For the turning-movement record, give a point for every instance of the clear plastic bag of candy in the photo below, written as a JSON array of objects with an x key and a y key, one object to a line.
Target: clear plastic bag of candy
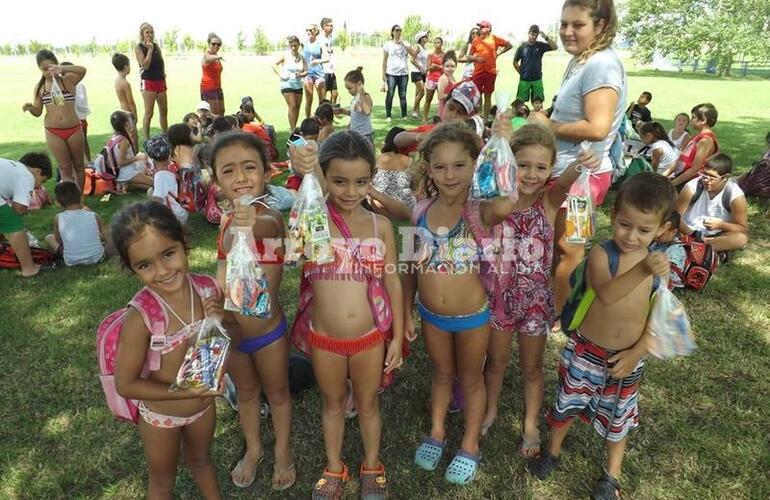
[
  {"x": 203, "y": 366},
  {"x": 308, "y": 231},
  {"x": 246, "y": 288},
  {"x": 581, "y": 215},
  {"x": 57, "y": 97},
  {"x": 669, "y": 326},
  {"x": 495, "y": 173}
]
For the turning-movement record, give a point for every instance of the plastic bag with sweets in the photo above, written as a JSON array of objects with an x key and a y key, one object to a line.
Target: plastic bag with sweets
[
  {"x": 203, "y": 366},
  {"x": 495, "y": 173},
  {"x": 669, "y": 326}
]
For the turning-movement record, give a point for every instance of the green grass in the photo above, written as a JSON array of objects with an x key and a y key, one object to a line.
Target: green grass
[{"x": 703, "y": 431}]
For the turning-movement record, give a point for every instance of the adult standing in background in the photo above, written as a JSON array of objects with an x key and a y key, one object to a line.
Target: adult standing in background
[
  {"x": 63, "y": 130},
  {"x": 528, "y": 63},
  {"x": 419, "y": 69},
  {"x": 464, "y": 57},
  {"x": 330, "y": 78},
  {"x": 292, "y": 70},
  {"x": 211, "y": 80},
  {"x": 590, "y": 108},
  {"x": 313, "y": 52},
  {"x": 484, "y": 53},
  {"x": 152, "y": 71},
  {"x": 395, "y": 72}
]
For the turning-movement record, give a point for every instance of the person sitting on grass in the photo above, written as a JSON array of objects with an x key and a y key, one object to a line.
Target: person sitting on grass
[
  {"x": 701, "y": 147},
  {"x": 165, "y": 187},
  {"x": 17, "y": 180},
  {"x": 638, "y": 112},
  {"x": 713, "y": 207},
  {"x": 132, "y": 169},
  {"x": 78, "y": 233},
  {"x": 603, "y": 361},
  {"x": 324, "y": 113},
  {"x": 663, "y": 153}
]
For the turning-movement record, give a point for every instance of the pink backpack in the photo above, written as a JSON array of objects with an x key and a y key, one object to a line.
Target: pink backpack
[{"x": 108, "y": 337}]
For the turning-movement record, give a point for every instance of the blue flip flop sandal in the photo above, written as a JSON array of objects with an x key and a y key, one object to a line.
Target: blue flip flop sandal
[
  {"x": 463, "y": 468},
  {"x": 429, "y": 453}
]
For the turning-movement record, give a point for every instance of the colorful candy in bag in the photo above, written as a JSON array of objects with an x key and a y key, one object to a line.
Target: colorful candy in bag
[
  {"x": 204, "y": 362},
  {"x": 57, "y": 97},
  {"x": 669, "y": 326},
  {"x": 581, "y": 216},
  {"x": 495, "y": 173},
  {"x": 246, "y": 287},
  {"x": 309, "y": 235}
]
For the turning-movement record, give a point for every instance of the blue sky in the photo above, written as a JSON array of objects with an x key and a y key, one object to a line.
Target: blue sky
[{"x": 62, "y": 22}]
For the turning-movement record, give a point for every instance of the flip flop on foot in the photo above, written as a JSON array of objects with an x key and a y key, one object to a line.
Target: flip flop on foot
[
  {"x": 529, "y": 448},
  {"x": 240, "y": 475},
  {"x": 285, "y": 478}
]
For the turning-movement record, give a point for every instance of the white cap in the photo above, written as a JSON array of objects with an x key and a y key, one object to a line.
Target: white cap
[
  {"x": 204, "y": 105},
  {"x": 419, "y": 35}
]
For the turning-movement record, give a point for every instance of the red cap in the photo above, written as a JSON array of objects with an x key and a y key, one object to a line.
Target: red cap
[{"x": 484, "y": 23}]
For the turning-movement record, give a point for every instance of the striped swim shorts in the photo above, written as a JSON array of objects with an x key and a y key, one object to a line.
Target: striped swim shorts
[{"x": 587, "y": 390}]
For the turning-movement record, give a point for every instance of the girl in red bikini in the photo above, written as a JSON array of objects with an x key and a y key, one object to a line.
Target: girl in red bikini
[
  {"x": 152, "y": 243},
  {"x": 260, "y": 358},
  {"x": 63, "y": 132},
  {"x": 350, "y": 342}
]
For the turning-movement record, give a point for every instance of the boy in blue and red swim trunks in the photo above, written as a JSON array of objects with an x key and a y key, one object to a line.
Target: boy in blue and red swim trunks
[{"x": 602, "y": 363}]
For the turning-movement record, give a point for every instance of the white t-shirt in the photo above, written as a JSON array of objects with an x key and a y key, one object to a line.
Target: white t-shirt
[
  {"x": 602, "y": 70},
  {"x": 327, "y": 43},
  {"x": 166, "y": 187},
  {"x": 705, "y": 206},
  {"x": 397, "y": 58},
  {"x": 16, "y": 183},
  {"x": 670, "y": 154},
  {"x": 422, "y": 60}
]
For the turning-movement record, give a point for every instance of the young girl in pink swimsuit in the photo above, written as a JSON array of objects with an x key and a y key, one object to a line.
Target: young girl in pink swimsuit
[
  {"x": 518, "y": 280},
  {"x": 151, "y": 242}
]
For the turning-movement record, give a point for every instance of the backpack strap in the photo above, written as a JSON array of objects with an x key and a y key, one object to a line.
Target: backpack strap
[
  {"x": 698, "y": 193},
  {"x": 156, "y": 320},
  {"x": 613, "y": 256},
  {"x": 727, "y": 195}
]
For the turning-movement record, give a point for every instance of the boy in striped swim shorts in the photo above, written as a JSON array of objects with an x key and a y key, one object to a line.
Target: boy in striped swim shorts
[{"x": 602, "y": 363}]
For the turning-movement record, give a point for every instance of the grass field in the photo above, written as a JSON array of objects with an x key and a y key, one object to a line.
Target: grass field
[{"x": 703, "y": 432}]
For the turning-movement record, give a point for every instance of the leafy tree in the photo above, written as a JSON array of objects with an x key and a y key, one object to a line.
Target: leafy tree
[
  {"x": 342, "y": 38},
  {"x": 240, "y": 41},
  {"x": 188, "y": 42},
  {"x": 170, "y": 37},
  {"x": 718, "y": 32},
  {"x": 261, "y": 43}
]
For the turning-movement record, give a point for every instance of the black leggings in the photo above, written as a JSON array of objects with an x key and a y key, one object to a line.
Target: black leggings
[{"x": 393, "y": 81}]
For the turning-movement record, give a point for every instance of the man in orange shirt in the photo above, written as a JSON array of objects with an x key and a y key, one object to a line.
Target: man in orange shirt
[{"x": 484, "y": 52}]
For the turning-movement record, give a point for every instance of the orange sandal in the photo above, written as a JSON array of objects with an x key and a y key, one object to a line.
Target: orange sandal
[
  {"x": 374, "y": 485},
  {"x": 331, "y": 485}
]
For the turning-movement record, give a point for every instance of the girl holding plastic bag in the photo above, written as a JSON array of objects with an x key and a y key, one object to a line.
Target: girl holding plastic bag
[
  {"x": 518, "y": 279},
  {"x": 495, "y": 173},
  {"x": 260, "y": 354},
  {"x": 152, "y": 243},
  {"x": 360, "y": 341},
  {"x": 590, "y": 107}
]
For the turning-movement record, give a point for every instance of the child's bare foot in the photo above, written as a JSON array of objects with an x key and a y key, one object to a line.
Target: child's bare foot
[
  {"x": 488, "y": 422},
  {"x": 246, "y": 469},
  {"x": 33, "y": 271},
  {"x": 284, "y": 475}
]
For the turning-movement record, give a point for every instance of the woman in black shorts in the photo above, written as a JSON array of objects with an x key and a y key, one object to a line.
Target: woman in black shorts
[{"x": 291, "y": 68}]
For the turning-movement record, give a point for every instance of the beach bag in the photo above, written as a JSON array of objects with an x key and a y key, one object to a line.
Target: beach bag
[
  {"x": 581, "y": 296},
  {"x": 39, "y": 198},
  {"x": 192, "y": 191},
  {"x": 8, "y": 259},
  {"x": 108, "y": 337},
  {"x": 757, "y": 182}
]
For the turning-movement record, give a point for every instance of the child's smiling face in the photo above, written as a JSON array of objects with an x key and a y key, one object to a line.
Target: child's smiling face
[
  {"x": 451, "y": 168},
  {"x": 158, "y": 261},
  {"x": 239, "y": 171},
  {"x": 348, "y": 182},
  {"x": 533, "y": 168}
]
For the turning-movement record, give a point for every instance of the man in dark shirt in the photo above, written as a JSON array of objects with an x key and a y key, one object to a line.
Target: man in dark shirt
[
  {"x": 638, "y": 112},
  {"x": 528, "y": 62}
]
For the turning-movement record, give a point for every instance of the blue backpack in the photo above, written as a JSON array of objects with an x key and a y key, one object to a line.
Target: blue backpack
[{"x": 581, "y": 296}]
